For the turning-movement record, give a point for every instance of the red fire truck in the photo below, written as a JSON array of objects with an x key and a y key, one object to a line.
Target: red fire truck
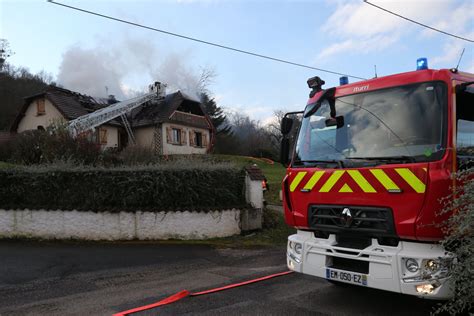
[{"x": 369, "y": 164}]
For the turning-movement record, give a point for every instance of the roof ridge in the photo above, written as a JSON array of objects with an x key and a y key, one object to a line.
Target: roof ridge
[{"x": 68, "y": 91}]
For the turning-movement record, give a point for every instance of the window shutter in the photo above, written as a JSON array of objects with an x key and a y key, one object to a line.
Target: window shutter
[
  {"x": 183, "y": 137},
  {"x": 103, "y": 136},
  {"x": 168, "y": 135},
  {"x": 191, "y": 138},
  {"x": 40, "y": 107},
  {"x": 204, "y": 140}
]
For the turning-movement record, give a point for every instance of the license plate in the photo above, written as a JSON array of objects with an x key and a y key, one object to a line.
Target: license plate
[{"x": 348, "y": 277}]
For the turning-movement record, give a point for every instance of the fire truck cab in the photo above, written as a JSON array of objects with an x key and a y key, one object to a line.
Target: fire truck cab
[{"x": 368, "y": 166}]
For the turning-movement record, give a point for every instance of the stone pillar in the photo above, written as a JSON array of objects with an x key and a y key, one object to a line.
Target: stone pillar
[{"x": 251, "y": 219}]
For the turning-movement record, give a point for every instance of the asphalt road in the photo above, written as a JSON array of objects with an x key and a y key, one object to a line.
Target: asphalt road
[{"x": 45, "y": 278}]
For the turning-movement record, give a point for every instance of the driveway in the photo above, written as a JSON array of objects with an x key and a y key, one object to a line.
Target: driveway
[{"x": 47, "y": 278}]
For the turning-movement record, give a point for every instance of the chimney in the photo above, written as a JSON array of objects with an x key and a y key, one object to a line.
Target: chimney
[{"x": 111, "y": 99}]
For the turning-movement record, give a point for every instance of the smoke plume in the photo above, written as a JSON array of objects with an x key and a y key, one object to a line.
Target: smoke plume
[{"x": 120, "y": 65}]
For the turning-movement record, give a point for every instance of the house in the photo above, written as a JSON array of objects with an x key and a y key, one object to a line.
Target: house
[
  {"x": 176, "y": 124},
  {"x": 56, "y": 105}
]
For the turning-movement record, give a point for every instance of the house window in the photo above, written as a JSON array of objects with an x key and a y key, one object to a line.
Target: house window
[
  {"x": 197, "y": 139},
  {"x": 40, "y": 107},
  {"x": 103, "y": 136},
  {"x": 176, "y": 136}
]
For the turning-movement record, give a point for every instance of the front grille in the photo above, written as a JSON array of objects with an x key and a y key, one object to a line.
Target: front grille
[{"x": 371, "y": 222}]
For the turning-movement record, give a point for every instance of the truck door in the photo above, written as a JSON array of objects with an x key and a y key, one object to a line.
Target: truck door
[{"x": 465, "y": 126}]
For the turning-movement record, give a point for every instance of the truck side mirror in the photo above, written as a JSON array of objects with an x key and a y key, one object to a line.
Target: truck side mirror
[
  {"x": 286, "y": 125},
  {"x": 285, "y": 151}
]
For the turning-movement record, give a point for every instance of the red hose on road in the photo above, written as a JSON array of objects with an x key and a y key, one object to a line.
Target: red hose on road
[
  {"x": 168, "y": 300},
  {"x": 180, "y": 295},
  {"x": 241, "y": 283}
]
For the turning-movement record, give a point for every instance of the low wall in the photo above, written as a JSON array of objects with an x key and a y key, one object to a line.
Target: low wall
[{"x": 118, "y": 226}]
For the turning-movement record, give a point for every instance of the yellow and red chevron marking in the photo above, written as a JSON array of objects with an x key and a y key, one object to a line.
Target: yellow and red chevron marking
[{"x": 377, "y": 180}]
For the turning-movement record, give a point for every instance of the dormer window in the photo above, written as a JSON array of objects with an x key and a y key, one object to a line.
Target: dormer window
[{"x": 40, "y": 107}]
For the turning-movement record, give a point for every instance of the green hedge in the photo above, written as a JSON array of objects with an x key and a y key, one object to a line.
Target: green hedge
[{"x": 162, "y": 189}]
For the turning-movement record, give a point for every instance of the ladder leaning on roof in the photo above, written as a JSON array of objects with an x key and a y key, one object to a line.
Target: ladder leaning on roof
[
  {"x": 128, "y": 128},
  {"x": 92, "y": 120}
]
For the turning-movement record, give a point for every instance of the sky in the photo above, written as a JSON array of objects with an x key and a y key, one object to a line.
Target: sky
[{"x": 87, "y": 53}]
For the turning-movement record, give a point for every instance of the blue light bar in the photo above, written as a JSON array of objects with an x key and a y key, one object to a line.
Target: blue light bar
[
  {"x": 421, "y": 63},
  {"x": 343, "y": 80}
]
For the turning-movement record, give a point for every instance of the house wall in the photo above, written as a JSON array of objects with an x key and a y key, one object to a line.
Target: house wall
[
  {"x": 32, "y": 120},
  {"x": 144, "y": 136},
  {"x": 112, "y": 136},
  {"x": 186, "y": 148}
]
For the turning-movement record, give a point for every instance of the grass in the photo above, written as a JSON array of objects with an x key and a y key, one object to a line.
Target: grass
[
  {"x": 4, "y": 165},
  {"x": 274, "y": 174}
]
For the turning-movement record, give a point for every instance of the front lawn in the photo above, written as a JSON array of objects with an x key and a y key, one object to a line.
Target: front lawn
[{"x": 273, "y": 172}]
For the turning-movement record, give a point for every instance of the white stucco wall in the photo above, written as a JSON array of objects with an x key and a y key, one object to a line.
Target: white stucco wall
[
  {"x": 32, "y": 120},
  {"x": 254, "y": 192},
  {"x": 112, "y": 136},
  {"x": 174, "y": 149},
  {"x": 118, "y": 226}
]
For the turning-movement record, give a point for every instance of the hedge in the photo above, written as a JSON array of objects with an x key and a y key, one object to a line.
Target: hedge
[{"x": 161, "y": 189}]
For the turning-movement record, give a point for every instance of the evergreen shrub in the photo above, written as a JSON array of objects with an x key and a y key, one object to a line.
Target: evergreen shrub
[{"x": 194, "y": 187}]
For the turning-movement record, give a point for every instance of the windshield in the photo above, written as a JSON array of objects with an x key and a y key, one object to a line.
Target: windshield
[{"x": 402, "y": 123}]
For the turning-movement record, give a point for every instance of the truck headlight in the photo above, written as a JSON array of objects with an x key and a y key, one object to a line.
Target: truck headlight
[
  {"x": 426, "y": 288},
  {"x": 411, "y": 265},
  {"x": 431, "y": 265},
  {"x": 436, "y": 268},
  {"x": 429, "y": 269},
  {"x": 298, "y": 248}
]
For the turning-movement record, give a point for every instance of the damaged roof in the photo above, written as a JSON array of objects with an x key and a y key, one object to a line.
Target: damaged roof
[
  {"x": 69, "y": 103},
  {"x": 169, "y": 110}
]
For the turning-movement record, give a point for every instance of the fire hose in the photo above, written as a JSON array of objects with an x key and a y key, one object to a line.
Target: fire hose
[{"x": 185, "y": 293}]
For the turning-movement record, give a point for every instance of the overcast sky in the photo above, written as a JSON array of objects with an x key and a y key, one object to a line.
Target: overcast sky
[{"x": 87, "y": 53}]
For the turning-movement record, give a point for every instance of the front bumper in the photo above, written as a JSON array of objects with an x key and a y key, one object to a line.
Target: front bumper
[{"x": 386, "y": 270}]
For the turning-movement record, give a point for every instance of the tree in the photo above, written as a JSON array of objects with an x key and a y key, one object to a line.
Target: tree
[
  {"x": 459, "y": 241},
  {"x": 216, "y": 113},
  {"x": 5, "y": 51},
  {"x": 250, "y": 138},
  {"x": 273, "y": 129},
  {"x": 16, "y": 83}
]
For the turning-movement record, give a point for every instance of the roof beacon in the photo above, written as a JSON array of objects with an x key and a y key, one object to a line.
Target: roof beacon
[
  {"x": 422, "y": 63},
  {"x": 343, "y": 80}
]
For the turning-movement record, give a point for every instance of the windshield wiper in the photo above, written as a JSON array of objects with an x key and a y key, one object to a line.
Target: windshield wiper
[
  {"x": 386, "y": 159},
  {"x": 339, "y": 163}
]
